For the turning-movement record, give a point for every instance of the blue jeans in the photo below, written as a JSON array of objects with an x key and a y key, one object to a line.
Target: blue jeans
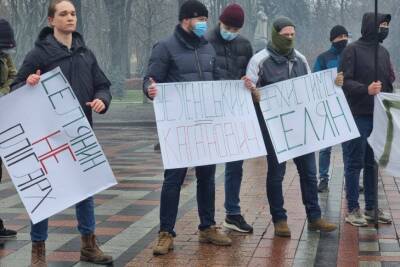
[
  {"x": 84, "y": 214},
  {"x": 360, "y": 155},
  {"x": 307, "y": 169},
  {"x": 233, "y": 180},
  {"x": 325, "y": 161},
  {"x": 173, "y": 180}
]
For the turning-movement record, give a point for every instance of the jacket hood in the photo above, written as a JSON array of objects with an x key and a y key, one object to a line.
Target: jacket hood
[
  {"x": 368, "y": 28},
  {"x": 47, "y": 42},
  {"x": 7, "y": 39}
]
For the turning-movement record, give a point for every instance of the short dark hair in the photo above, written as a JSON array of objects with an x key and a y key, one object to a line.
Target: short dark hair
[{"x": 52, "y": 7}]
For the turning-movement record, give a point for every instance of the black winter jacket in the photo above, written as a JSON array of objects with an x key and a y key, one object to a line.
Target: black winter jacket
[
  {"x": 182, "y": 57},
  {"x": 79, "y": 66},
  {"x": 358, "y": 66},
  {"x": 232, "y": 56}
]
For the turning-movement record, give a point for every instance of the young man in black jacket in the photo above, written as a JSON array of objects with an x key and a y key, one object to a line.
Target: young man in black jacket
[
  {"x": 233, "y": 55},
  {"x": 183, "y": 57},
  {"x": 360, "y": 88},
  {"x": 61, "y": 46}
]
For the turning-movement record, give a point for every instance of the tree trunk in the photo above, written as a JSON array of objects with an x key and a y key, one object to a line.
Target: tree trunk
[
  {"x": 119, "y": 17},
  {"x": 78, "y": 8},
  {"x": 119, "y": 13}
]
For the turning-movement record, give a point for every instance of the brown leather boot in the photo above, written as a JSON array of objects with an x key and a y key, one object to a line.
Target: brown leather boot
[
  {"x": 90, "y": 251},
  {"x": 38, "y": 257},
  {"x": 213, "y": 235},
  {"x": 164, "y": 244},
  {"x": 282, "y": 229},
  {"x": 321, "y": 225}
]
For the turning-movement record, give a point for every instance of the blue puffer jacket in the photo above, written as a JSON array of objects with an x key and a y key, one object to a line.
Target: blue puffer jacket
[
  {"x": 182, "y": 57},
  {"x": 327, "y": 60}
]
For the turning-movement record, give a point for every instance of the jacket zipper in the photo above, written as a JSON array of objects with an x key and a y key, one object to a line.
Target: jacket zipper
[
  {"x": 290, "y": 65},
  {"x": 198, "y": 65},
  {"x": 70, "y": 71},
  {"x": 226, "y": 59}
]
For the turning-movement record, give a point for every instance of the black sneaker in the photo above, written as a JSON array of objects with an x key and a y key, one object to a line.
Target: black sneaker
[
  {"x": 6, "y": 233},
  {"x": 323, "y": 186},
  {"x": 237, "y": 223}
]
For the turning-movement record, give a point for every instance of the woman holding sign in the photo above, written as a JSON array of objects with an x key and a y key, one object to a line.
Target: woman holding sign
[{"x": 61, "y": 46}]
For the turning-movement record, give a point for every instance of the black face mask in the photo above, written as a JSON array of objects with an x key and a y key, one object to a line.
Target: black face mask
[
  {"x": 383, "y": 33},
  {"x": 339, "y": 46}
]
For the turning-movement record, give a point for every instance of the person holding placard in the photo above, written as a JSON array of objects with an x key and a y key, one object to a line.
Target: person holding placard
[
  {"x": 359, "y": 87},
  {"x": 279, "y": 61},
  {"x": 182, "y": 57},
  {"x": 59, "y": 45},
  {"x": 233, "y": 54}
]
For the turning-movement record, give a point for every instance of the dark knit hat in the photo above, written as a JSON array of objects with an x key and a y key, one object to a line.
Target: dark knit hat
[
  {"x": 337, "y": 31},
  {"x": 192, "y": 9},
  {"x": 7, "y": 40},
  {"x": 233, "y": 15},
  {"x": 281, "y": 23}
]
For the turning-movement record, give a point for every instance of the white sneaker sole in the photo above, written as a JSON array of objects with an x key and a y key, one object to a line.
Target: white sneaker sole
[
  {"x": 234, "y": 227},
  {"x": 372, "y": 219},
  {"x": 356, "y": 224}
]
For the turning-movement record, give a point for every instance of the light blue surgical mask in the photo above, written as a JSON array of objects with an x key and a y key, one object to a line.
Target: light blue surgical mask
[
  {"x": 227, "y": 35},
  {"x": 200, "y": 28}
]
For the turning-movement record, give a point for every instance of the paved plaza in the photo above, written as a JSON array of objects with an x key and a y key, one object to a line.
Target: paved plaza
[{"x": 127, "y": 217}]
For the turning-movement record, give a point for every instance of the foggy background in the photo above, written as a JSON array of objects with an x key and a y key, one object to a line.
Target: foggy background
[{"x": 122, "y": 32}]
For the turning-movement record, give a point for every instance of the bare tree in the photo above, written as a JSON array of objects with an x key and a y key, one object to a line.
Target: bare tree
[
  {"x": 123, "y": 40},
  {"x": 150, "y": 26},
  {"x": 119, "y": 14},
  {"x": 78, "y": 8},
  {"x": 25, "y": 25},
  {"x": 96, "y": 31}
]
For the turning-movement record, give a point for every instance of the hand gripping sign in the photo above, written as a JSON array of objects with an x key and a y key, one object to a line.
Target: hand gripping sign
[
  {"x": 306, "y": 114},
  {"x": 202, "y": 123},
  {"x": 49, "y": 148}
]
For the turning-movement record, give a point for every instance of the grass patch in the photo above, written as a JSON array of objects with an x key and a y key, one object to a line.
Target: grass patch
[{"x": 135, "y": 96}]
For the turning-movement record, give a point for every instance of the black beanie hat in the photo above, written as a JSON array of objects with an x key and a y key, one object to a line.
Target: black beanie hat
[
  {"x": 7, "y": 40},
  {"x": 192, "y": 9},
  {"x": 281, "y": 23},
  {"x": 337, "y": 31}
]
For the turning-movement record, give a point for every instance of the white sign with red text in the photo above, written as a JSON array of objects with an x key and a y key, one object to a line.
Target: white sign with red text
[
  {"x": 49, "y": 148},
  {"x": 203, "y": 123}
]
